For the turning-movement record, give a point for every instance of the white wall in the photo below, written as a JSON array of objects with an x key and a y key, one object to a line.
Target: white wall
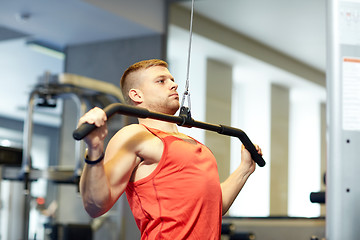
[
  {"x": 304, "y": 153},
  {"x": 251, "y": 114},
  {"x": 20, "y": 67}
]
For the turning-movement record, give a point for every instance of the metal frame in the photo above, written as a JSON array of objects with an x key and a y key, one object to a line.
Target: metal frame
[
  {"x": 342, "y": 192},
  {"x": 77, "y": 88}
]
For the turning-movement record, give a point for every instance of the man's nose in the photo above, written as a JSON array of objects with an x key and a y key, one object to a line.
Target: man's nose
[{"x": 174, "y": 85}]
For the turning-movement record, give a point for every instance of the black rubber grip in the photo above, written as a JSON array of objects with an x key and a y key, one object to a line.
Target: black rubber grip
[
  {"x": 235, "y": 132},
  {"x": 86, "y": 128},
  {"x": 83, "y": 131},
  {"x": 317, "y": 197}
]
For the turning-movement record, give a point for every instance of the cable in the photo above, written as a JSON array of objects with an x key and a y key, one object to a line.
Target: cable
[{"x": 187, "y": 92}]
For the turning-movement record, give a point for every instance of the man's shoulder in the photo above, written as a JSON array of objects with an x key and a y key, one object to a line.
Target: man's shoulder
[
  {"x": 128, "y": 135},
  {"x": 133, "y": 132},
  {"x": 131, "y": 129}
]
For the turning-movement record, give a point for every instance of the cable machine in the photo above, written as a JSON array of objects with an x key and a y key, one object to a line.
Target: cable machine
[
  {"x": 343, "y": 120},
  {"x": 184, "y": 118}
]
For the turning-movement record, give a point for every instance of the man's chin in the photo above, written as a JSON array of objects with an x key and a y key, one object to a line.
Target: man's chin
[{"x": 174, "y": 110}]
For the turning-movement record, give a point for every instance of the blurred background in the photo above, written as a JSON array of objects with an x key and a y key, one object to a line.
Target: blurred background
[{"x": 255, "y": 65}]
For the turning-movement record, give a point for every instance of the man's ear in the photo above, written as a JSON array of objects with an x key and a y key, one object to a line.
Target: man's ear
[{"x": 136, "y": 95}]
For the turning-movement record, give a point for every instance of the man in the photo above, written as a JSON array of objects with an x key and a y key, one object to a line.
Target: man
[{"x": 171, "y": 180}]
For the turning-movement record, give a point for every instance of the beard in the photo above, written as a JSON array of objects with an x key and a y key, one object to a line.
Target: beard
[{"x": 166, "y": 107}]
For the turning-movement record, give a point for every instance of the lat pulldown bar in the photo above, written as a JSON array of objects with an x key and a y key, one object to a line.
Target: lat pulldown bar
[{"x": 182, "y": 120}]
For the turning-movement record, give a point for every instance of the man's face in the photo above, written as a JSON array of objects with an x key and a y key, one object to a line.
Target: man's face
[{"x": 159, "y": 90}]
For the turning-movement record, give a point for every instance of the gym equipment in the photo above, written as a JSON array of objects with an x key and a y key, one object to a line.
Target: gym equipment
[
  {"x": 10, "y": 156},
  {"x": 69, "y": 231},
  {"x": 85, "y": 92},
  {"x": 183, "y": 120},
  {"x": 317, "y": 197},
  {"x": 343, "y": 111},
  {"x": 228, "y": 229}
]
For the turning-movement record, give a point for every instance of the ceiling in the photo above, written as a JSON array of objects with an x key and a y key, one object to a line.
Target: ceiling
[{"x": 294, "y": 28}]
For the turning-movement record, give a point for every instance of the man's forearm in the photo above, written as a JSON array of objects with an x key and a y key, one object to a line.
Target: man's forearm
[
  {"x": 94, "y": 190},
  {"x": 232, "y": 186}
]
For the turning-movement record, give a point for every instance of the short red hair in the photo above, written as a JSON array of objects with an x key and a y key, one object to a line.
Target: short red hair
[{"x": 126, "y": 85}]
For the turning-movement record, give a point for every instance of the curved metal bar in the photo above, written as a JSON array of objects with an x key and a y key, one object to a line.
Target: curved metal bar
[
  {"x": 182, "y": 120},
  {"x": 26, "y": 163}
]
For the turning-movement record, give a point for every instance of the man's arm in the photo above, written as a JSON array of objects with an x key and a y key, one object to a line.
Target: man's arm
[
  {"x": 234, "y": 183},
  {"x": 101, "y": 184}
]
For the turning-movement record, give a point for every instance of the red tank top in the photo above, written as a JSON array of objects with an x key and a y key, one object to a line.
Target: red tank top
[{"x": 181, "y": 198}]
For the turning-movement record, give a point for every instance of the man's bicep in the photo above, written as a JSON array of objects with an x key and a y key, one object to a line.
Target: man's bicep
[{"x": 120, "y": 160}]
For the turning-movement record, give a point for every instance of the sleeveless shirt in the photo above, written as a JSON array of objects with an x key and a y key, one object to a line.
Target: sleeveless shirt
[{"x": 181, "y": 198}]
